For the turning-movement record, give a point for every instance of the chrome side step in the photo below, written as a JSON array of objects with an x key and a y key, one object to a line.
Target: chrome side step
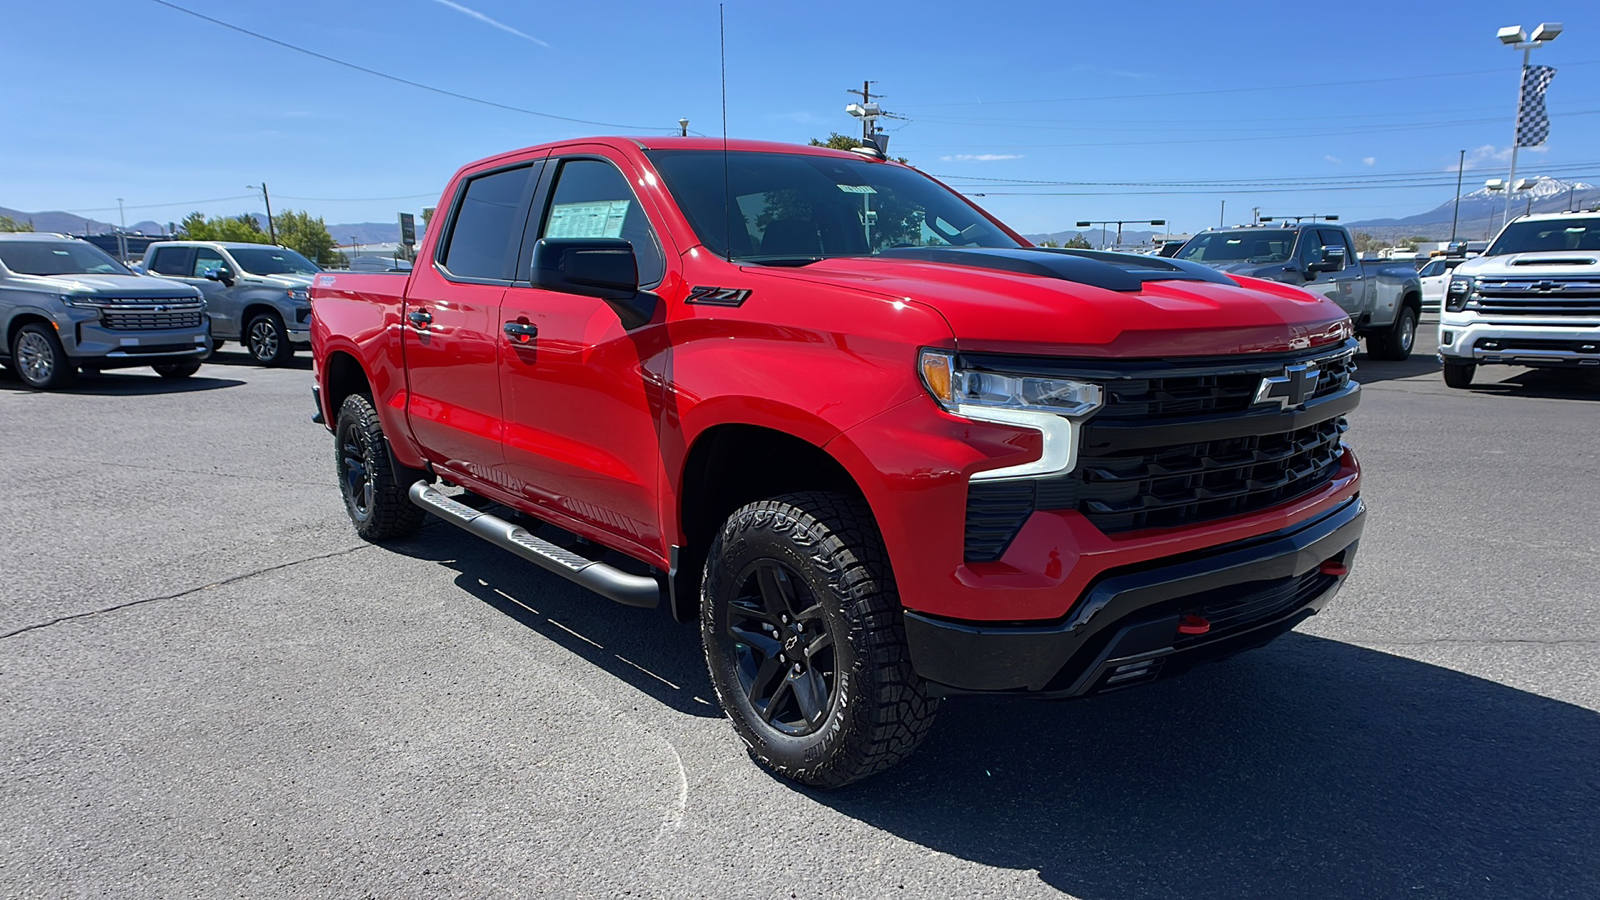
[{"x": 608, "y": 581}]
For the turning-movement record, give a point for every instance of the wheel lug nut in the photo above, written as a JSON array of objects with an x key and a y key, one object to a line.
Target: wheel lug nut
[{"x": 797, "y": 668}]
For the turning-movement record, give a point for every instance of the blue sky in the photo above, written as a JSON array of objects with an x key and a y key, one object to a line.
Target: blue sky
[{"x": 1169, "y": 99}]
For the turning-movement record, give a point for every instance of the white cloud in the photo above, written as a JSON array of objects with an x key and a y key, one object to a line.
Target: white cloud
[
  {"x": 491, "y": 22},
  {"x": 1369, "y": 160},
  {"x": 1488, "y": 153},
  {"x": 980, "y": 157},
  {"x": 1335, "y": 160}
]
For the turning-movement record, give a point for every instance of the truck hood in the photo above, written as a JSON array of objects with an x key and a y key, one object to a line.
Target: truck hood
[
  {"x": 107, "y": 285},
  {"x": 992, "y": 310},
  {"x": 1566, "y": 262}
]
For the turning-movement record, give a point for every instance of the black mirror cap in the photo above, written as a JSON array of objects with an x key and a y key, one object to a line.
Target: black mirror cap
[{"x": 594, "y": 267}]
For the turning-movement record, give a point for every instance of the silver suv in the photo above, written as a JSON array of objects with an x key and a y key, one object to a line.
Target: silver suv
[
  {"x": 256, "y": 293},
  {"x": 66, "y": 305}
]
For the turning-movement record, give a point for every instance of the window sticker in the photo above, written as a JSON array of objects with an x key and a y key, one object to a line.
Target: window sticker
[
  {"x": 857, "y": 188},
  {"x": 601, "y": 219}
]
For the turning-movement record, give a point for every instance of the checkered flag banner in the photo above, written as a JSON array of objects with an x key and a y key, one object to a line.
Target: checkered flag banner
[{"x": 1533, "y": 125}]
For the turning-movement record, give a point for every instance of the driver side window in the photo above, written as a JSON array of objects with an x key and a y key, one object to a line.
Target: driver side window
[
  {"x": 204, "y": 259},
  {"x": 592, "y": 200},
  {"x": 1310, "y": 248}
]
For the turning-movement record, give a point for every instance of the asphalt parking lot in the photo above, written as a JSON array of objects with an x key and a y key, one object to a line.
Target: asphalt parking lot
[{"x": 210, "y": 687}]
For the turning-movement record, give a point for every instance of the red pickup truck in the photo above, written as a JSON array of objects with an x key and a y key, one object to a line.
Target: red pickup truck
[{"x": 879, "y": 447}]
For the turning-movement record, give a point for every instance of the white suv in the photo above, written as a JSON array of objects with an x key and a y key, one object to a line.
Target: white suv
[{"x": 1533, "y": 299}]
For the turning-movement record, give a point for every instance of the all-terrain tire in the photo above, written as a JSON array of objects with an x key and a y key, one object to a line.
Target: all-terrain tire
[
  {"x": 1396, "y": 343},
  {"x": 798, "y": 596},
  {"x": 1459, "y": 375},
  {"x": 39, "y": 359},
  {"x": 374, "y": 486},
  {"x": 182, "y": 369},
  {"x": 267, "y": 341}
]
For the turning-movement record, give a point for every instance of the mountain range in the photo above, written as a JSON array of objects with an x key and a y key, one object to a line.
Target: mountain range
[{"x": 71, "y": 223}]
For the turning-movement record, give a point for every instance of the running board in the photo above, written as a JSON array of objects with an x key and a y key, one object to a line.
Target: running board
[{"x": 608, "y": 581}]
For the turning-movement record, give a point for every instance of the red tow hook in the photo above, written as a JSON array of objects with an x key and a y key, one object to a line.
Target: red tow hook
[
  {"x": 1334, "y": 567},
  {"x": 1192, "y": 624}
]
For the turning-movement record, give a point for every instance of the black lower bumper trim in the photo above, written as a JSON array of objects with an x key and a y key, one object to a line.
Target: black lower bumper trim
[{"x": 1127, "y": 618}]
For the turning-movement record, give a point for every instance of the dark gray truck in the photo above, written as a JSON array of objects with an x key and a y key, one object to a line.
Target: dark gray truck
[
  {"x": 1382, "y": 298},
  {"x": 256, "y": 293},
  {"x": 65, "y": 305}
]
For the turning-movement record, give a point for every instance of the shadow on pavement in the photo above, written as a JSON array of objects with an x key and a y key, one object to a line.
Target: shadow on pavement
[
  {"x": 127, "y": 383},
  {"x": 642, "y": 647},
  {"x": 1552, "y": 384},
  {"x": 1309, "y": 769},
  {"x": 238, "y": 357}
]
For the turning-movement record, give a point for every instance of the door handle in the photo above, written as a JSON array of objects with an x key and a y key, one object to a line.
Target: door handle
[
  {"x": 521, "y": 332},
  {"x": 420, "y": 318}
]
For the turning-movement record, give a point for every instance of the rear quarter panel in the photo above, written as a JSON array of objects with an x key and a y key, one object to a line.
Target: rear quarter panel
[{"x": 359, "y": 315}]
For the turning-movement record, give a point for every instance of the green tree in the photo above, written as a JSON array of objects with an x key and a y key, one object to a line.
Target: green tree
[
  {"x": 839, "y": 141},
  {"x": 242, "y": 228},
  {"x": 306, "y": 235},
  {"x": 1078, "y": 242},
  {"x": 1366, "y": 243},
  {"x": 9, "y": 224},
  {"x": 1050, "y": 242}
]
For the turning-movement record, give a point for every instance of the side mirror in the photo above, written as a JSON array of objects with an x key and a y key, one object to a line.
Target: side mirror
[
  {"x": 594, "y": 267},
  {"x": 1331, "y": 260},
  {"x": 222, "y": 275}
]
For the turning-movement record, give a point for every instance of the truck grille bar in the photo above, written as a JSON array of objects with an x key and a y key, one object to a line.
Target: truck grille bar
[{"x": 1548, "y": 297}]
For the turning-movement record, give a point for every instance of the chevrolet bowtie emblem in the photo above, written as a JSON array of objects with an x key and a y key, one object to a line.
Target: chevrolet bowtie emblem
[{"x": 1291, "y": 389}]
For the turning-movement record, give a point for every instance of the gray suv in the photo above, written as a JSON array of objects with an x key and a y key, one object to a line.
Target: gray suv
[
  {"x": 66, "y": 305},
  {"x": 256, "y": 293}
]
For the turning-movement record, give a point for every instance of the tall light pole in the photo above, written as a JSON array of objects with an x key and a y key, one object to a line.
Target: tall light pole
[
  {"x": 1119, "y": 223},
  {"x": 272, "y": 232},
  {"x": 1461, "y": 168},
  {"x": 1513, "y": 36}
]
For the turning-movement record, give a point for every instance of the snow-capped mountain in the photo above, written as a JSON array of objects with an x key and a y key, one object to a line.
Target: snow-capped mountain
[{"x": 1482, "y": 209}]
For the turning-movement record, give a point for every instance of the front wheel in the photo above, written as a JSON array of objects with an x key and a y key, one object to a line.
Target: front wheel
[
  {"x": 374, "y": 486},
  {"x": 1396, "y": 343},
  {"x": 40, "y": 360},
  {"x": 1459, "y": 375},
  {"x": 805, "y": 641},
  {"x": 177, "y": 369},
  {"x": 266, "y": 340}
]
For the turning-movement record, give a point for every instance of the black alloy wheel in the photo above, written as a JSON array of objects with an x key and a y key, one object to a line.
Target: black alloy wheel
[
  {"x": 373, "y": 485},
  {"x": 266, "y": 340},
  {"x": 785, "y": 659}
]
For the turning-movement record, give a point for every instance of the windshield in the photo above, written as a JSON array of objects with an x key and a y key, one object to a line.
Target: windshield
[
  {"x": 272, "y": 261},
  {"x": 794, "y": 208},
  {"x": 1239, "y": 246},
  {"x": 1548, "y": 236},
  {"x": 58, "y": 258}
]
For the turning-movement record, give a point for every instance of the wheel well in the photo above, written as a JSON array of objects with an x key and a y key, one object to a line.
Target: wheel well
[
  {"x": 16, "y": 326},
  {"x": 1413, "y": 299},
  {"x": 729, "y": 466},
  {"x": 345, "y": 377},
  {"x": 250, "y": 313}
]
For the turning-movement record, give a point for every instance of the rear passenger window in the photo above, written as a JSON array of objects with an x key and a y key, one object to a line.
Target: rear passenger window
[
  {"x": 486, "y": 233},
  {"x": 172, "y": 261}
]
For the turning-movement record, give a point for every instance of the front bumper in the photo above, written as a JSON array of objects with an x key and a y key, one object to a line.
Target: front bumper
[
  {"x": 1124, "y": 629},
  {"x": 1474, "y": 340},
  {"x": 90, "y": 343}
]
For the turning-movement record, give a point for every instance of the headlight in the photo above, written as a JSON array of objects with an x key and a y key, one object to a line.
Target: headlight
[
  {"x": 1051, "y": 406},
  {"x": 300, "y": 295},
  {"x": 1462, "y": 288},
  {"x": 957, "y": 388},
  {"x": 80, "y": 302}
]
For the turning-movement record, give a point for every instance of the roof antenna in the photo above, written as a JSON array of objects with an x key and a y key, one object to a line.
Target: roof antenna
[{"x": 727, "y": 203}]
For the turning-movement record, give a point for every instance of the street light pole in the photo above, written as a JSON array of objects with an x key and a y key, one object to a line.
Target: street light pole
[
  {"x": 1514, "y": 36},
  {"x": 1461, "y": 167},
  {"x": 1516, "y": 126}
]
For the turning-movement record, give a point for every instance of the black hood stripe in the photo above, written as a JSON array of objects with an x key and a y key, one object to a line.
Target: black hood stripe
[{"x": 1124, "y": 272}]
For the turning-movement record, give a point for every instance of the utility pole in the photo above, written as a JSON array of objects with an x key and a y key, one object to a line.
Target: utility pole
[
  {"x": 1222, "y": 214},
  {"x": 272, "y": 231},
  {"x": 867, "y": 119},
  {"x": 1461, "y": 167}
]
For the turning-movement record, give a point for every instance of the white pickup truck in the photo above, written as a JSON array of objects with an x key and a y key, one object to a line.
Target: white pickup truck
[{"x": 1532, "y": 299}]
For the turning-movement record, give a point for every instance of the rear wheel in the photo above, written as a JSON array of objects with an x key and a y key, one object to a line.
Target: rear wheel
[
  {"x": 805, "y": 641},
  {"x": 40, "y": 360},
  {"x": 1459, "y": 375},
  {"x": 177, "y": 369},
  {"x": 374, "y": 486},
  {"x": 264, "y": 337},
  {"x": 1396, "y": 343}
]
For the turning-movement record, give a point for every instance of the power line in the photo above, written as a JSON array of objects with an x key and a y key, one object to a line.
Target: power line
[
  {"x": 397, "y": 79},
  {"x": 77, "y": 212},
  {"x": 358, "y": 199},
  {"x": 1388, "y": 180}
]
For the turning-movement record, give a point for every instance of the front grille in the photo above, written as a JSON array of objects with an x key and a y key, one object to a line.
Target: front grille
[
  {"x": 149, "y": 319},
  {"x": 1177, "y": 442},
  {"x": 1549, "y": 297},
  {"x": 1166, "y": 486},
  {"x": 1239, "y": 607}
]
